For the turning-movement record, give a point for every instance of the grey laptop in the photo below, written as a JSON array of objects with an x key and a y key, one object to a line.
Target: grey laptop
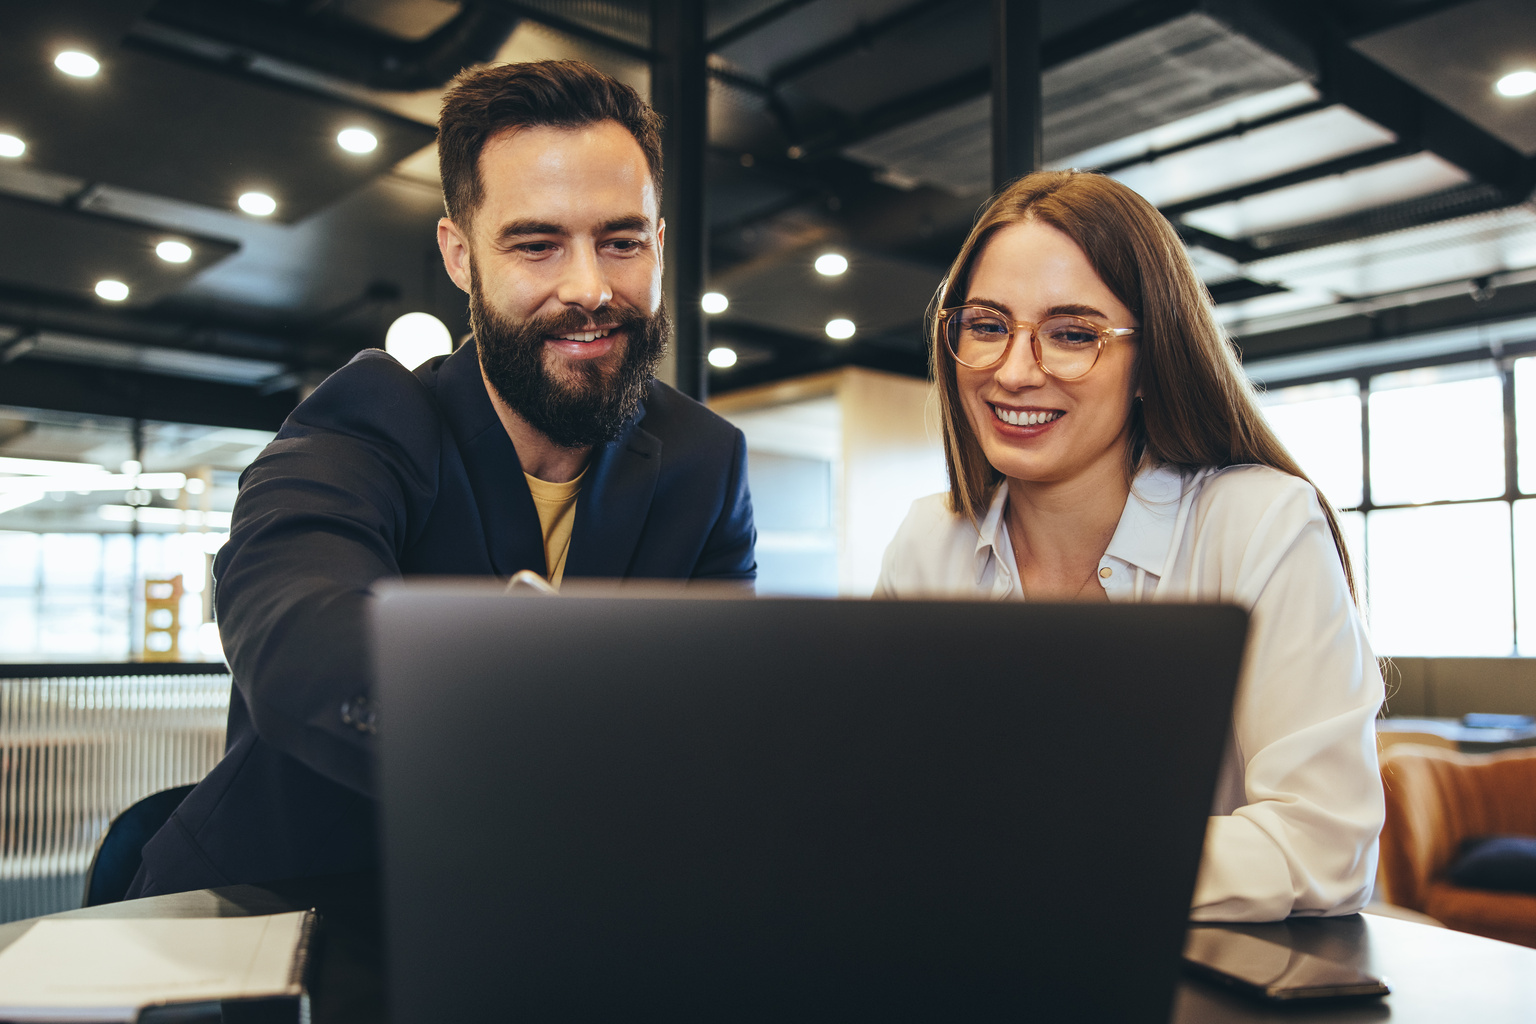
[{"x": 692, "y": 808}]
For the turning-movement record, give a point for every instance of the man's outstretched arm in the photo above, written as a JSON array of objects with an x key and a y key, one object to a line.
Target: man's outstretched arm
[{"x": 322, "y": 515}]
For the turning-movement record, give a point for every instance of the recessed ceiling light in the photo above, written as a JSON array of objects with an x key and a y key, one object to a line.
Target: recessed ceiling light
[
  {"x": 722, "y": 358},
  {"x": 831, "y": 264},
  {"x": 112, "y": 291},
  {"x": 174, "y": 252},
  {"x": 73, "y": 62},
  {"x": 840, "y": 329},
  {"x": 1517, "y": 83},
  {"x": 357, "y": 140},
  {"x": 258, "y": 204},
  {"x": 11, "y": 146},
  {"x": 714, "y": 302}
]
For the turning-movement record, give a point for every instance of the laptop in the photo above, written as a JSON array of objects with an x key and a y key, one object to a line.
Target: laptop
[{"x": 695, "y": 807}]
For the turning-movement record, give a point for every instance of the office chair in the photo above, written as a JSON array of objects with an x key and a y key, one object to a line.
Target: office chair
[{"x": 121, "y": 849}]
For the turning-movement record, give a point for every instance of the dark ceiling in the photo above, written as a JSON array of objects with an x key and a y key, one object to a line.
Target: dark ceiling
[{"x": 1342, "y": 172}]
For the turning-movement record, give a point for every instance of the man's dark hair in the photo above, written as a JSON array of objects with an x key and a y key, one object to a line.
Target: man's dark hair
[{"x": 483, "y": 101}]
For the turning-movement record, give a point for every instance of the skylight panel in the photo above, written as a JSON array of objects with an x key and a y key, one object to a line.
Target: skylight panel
[
  {"x": 1255, "y": 155},
  {"x": 1453, "y": 250},
  {"x": 1208, "y": 122},
  {"x": 1334, "y": 196}
]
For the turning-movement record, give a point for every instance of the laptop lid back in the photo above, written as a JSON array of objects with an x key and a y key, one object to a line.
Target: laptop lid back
[{"x": 768, "y": 810}]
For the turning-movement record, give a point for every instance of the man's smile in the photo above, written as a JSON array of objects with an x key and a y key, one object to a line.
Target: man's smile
[
  {"x": 583, "y": 336},
  {"x": 575, "y": 346}
]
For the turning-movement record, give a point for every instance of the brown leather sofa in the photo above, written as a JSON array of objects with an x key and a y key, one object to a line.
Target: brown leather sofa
[{"x": 1435, "y": 799}]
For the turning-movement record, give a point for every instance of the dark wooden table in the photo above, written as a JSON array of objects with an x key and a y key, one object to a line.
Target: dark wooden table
[{"x": 1437, "y": 975}]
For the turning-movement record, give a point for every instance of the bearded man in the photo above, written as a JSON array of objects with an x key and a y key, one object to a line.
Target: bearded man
[{"x": 544, "y": 443}]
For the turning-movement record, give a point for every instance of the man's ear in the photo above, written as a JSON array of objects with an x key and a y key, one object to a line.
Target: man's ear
[
  {"x": 455, "y": 249},
  {"x": 661, "y": 244}
]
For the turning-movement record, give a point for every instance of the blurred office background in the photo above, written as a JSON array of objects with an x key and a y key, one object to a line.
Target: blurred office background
[{"x": 206, "y": 206}]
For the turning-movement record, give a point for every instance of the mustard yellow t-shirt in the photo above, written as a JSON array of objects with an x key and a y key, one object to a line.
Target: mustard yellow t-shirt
[{"x": 557, "y": 514}]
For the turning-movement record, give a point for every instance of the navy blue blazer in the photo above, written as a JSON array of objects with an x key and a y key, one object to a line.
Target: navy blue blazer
[{"x": 382, "y": 473}]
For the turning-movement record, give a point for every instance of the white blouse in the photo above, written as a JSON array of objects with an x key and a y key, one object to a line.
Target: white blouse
[{"x": 1298, "y": 801}]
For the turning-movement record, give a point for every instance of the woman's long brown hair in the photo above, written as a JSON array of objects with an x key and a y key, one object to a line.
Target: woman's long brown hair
[{"x": 1197, "y": 408}]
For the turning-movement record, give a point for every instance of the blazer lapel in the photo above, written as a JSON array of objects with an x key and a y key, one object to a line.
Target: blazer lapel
[
  {"x": 513, "y": 537},
  {"x": 614, "y": 503}
]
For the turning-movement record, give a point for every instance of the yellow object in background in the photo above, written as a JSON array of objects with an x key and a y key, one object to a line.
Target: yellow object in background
[{"x": 162, "y": 619}]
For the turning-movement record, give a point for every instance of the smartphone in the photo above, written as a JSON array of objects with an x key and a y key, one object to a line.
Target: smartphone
[
  {"x": 1483, "y": 720},
  {"x": 1272, "y": 971}
]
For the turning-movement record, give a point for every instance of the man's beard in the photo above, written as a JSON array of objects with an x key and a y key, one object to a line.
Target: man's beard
[{"x": 592, "y": 403}]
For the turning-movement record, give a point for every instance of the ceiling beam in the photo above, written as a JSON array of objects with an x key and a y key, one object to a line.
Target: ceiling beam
[
  {"x": 579, "y": 29},
  {"x": 795, "y": 355},
  {"x": 760, "y": 20},
  {"x": 1347, "y": 76},
  {"x": 1328, "y": 168},
  {"x": 112, "y": 391},
  {"x": 860, "y": 38},
  {"x": 298, "y": 347},
  {"x": 1240, "y": 128},
  {"x": 1461, "y": 201}
]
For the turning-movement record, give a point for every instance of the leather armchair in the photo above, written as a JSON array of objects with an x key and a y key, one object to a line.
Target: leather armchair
[{"x": 1435, "y": 799}]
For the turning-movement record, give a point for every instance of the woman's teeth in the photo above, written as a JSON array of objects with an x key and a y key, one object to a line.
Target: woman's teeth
[
  {"x": 585, "y": 335},
  {"x": 1020, "y": 418}
]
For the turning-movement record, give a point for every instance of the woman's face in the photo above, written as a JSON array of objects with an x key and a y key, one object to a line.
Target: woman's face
[{"x": 1034, "y": 428}]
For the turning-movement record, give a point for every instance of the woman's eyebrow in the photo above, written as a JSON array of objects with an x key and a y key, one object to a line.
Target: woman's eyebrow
[
  {"x": 1076, "y": 309},
  {"x": 977, "y": 300},
  {"x": 1066, "y": 309}
]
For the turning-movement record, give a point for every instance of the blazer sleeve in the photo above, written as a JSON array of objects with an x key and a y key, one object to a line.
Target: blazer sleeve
[
  {"x": 729, "y": 550},
  {"x": 1304, "y": 842},
  {"x": 323, "y": 514}
]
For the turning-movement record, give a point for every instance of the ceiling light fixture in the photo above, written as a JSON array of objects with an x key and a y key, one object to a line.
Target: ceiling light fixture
[
  {"x": 1516, "y": 83},
  {"x": 416, "y": 337},
  {"x": 357, "y": 140},
  {"x": 112, "y": 291},
  {"x": 257, "y": 204},
  {"x": 830, "y": 264},
  {"x": 77, "y": 64},
  {"x": 714, "y": 302},
  {"x": 722, "y": 358},
  {"x": 840, "y": 329},
  {"x": 174, "y": 252},
  {"x": 11, "y": 146}
]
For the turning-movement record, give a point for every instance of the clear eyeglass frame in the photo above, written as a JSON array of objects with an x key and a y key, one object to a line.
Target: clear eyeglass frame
[{"x": 949, "y": 316}]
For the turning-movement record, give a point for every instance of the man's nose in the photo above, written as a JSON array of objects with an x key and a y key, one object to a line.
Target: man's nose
[
  {"x": 1019, "y": 369},
  {"x": 584, "y": 283}
]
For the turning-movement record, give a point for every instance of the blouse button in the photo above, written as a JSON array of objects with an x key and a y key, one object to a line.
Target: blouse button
[{"x": 1106, "y": 572}]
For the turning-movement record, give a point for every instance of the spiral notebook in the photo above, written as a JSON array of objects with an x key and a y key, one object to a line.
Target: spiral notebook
[{"x": 109, "y": 969}]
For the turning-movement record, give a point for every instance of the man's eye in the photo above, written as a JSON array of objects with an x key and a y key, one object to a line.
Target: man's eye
[
  {"x": 536, "y": 248},
  {"x": 625, "y": 244}
]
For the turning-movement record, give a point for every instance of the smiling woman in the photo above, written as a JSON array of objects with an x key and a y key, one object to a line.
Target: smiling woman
[{"x": 1103, "y": 445}]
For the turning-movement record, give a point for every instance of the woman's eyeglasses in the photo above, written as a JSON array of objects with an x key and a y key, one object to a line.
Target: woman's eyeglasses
[{"x": 1066, "y": 347}]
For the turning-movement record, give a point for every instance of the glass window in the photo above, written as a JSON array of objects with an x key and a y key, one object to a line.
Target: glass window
[
  {"x": 18, "y": 626},
  {"x": 1440, "y": 580},
  {"x": 1320, "y": 424},
  {"x": 1525, "y": 422},
  {"x": 1437, "y": 434},
  {"x": 20, "y": 554},
  {"x": 1525, "y": 575},
  {"x": 71, "y": 560}
]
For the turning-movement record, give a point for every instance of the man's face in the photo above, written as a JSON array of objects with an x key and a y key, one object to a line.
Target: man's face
[{"x": 563, "y": 265}]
